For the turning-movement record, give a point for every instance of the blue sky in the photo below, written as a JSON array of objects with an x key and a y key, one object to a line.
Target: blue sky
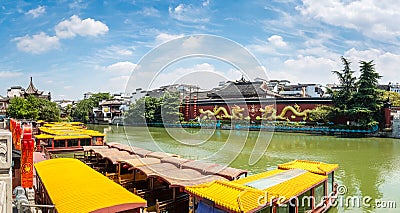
[{"x": 72, "y": 47}]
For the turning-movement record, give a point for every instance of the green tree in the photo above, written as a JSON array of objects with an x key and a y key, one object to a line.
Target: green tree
[
  {"x": 393, "y": 97},
  {"x": 18, "y": 108},
  {"x": 33, "y": 108},
  {"x": 153, "y": 109},
  {"x": 343, "y": 97},
  {"x": 321, "y": 114},
  {"x": 170, "y": 108},
  {"x": 367, "y": 100},
  {"x": 96, "y": 98},
  {"x": 136, "y": 112},
  {"x": 68, "y": 110},
  {"x": 49, "y": 111},
  {"x": 84, "y": 108}
]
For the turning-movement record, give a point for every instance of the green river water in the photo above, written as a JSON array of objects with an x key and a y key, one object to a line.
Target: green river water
[{"x": 368, "y": 167}]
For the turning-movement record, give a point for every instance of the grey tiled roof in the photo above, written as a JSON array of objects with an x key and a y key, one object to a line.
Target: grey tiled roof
[{"x": 238, "y": 89}]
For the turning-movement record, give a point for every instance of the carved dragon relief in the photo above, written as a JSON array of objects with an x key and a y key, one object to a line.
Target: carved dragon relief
[
  {"x": 3, "y": 151},
  {"x": 268, "y": 113},
  {"x": 236, "y": 113}
]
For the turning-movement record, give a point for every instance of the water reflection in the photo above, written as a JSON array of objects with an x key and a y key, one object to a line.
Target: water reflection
[{"x": 368, "y": 166}]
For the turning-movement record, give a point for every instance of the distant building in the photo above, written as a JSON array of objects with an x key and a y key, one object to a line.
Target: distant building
[
  {"x": 302, "y": 90},
  {"x": 3, "y": 105},
  {"x": 182, "y": 89},
  {"x": 15, "y": 91},
  {"x": 394, "y": 87},
  {"x": 273, "y": 85},
  {"x": 87, "y": 95},
  {"x": 390, "y": 87},
  {"x": 18, "y": 91},
  {"x": 243, "y": 89},
  {"x": 139, "y": 93},
  {"x": 107, "y": 110},
  {"x": 64, "y": 103},
  {"x": 123, "y": 97}
]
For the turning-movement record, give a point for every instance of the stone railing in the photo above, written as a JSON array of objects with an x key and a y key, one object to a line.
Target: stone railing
[{"x": 396, "y": 127}]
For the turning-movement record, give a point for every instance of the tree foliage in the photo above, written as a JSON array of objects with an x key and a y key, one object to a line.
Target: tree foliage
[
  {"x": 367, "y": 100},
  {"x": 84, "y": 108},
  {"x": 343, "y": 97},
  {"x": 136, "y": 113},
  {"x": 393, "y": 97},
  {"x": 170, "y": 108},
  {"x": 33, "y": 108},
  {"x": 322, "y": 114},
  {"x": 154, "y": 110},
  {"x": 358, "y": 101}
]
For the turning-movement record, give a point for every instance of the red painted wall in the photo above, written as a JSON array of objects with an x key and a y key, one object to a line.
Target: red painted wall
[{"x": 253, "y": 109}]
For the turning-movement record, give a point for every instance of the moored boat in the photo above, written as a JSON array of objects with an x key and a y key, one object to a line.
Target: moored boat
[
  {"x": 67, "y": 136},
  {"x": 297, "y": 186}
]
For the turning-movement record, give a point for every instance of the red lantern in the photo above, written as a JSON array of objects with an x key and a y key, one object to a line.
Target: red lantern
[
  {"x": 27, "y": 158},
  {"x": 17, "y": 136},
  {"x": 12, "y": 125}
]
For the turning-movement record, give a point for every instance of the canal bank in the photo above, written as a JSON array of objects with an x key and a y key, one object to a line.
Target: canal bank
[{"x": 368, "y": 166}]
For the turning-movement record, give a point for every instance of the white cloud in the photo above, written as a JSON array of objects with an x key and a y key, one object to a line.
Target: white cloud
[
  {"x": 277, "y": 41},
  {"x": 317, "y": 69},
  {"x": 306, "y": 69},
  {"x": 262, "y": 47},
  {"x": 189, "y": 13},
  {"x": 164, "y": 37},
  {"x": 195, "y": 75},
  {"x": 123, "y": 67},
  {"x": 374, "y": 18},
  {"x": 386, "y": 63},
  {"x": 124, "y": 52},
  {"x": 76, "y": 26},
  {"x": 40, "y": 10},
  {"x": 78, "y": 4},
  {"x": 115, "y": 52},
  {"x": 117, "y": 84},
  {"x": 68, "y": 87},
  {"x": 206, "y": 3},
  {"x": 271, "y": 46},
  {"x": 150, "y": 11},
  {"x": 9, "y": 74},
  {"x": 42, "y": 42},
  {"x": 38, "y": 43}
]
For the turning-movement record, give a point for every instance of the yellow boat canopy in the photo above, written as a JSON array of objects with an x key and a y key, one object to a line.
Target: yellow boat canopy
[
  {"x": 44, "y": 136},
  {"x": 311, "y": 166},
  {"x": 74, "y": 187},
  {"x": 69, "y": 137},
  {"x": 231, "y": 195},
  {"x": 63, "y": 131},
  {"x": 246, "y": 194}
]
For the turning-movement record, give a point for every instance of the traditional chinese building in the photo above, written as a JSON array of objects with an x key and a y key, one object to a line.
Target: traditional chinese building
[
  {"x": 252, "y": 101},
  {"x": 242, "y": 89},
  {"x": 3, "y": 106},
  {"x": 18, "y": 91}
]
